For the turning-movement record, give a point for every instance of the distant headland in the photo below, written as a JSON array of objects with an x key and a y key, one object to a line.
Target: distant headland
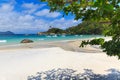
[
  {"x": 6, "y": 33},
  {"x": 84, "y": 28}
]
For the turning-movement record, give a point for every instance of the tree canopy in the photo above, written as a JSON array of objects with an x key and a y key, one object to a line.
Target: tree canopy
[{"x": 95, "y": 10}]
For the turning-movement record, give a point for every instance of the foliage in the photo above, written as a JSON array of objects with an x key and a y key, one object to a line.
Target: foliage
[
  {"x": 99, "y": 41},
  {"x": 85, "y": 27},
  {"x": 112, "y": 48},
  {"x": 94, "y": 10},
  {"x": 55, "y": 30}
]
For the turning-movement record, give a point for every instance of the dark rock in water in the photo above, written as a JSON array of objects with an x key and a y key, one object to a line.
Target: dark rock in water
[
  {"x": 26, "y": 41},
  {"x": 7, "y": 33}
]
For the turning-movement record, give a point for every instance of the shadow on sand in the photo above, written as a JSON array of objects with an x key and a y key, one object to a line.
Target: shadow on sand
[{"x": 70, "y": 74}]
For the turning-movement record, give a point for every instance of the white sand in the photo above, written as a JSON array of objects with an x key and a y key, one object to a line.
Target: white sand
[{"x": 20, "y": 63}]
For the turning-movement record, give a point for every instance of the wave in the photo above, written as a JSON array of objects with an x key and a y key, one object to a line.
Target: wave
[
  {"x": 55, "y": 36},
  {"x": 41, "y": 39},
  {"x": 81, "y": 35},
  {"x": 48, "y": 36},
  {"x": 63, "y": 36},
  {"x": 76, "y": 35},
  {"x": 3, "y": 41}
]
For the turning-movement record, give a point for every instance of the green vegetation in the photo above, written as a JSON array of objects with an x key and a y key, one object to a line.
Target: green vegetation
[
  {"x": 55, "y": 31},
  {"x": 85, "y": 27},
  {"x": 95, "y": 10},
  {"x": 99, "y": 41}
]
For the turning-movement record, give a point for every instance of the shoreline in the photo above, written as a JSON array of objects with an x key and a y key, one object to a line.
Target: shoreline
[
  {"x": 42, "y": 41},
  {"x": 68, "y": 45}
]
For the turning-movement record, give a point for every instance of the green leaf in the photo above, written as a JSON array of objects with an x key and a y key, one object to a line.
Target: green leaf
[{"x": 108, "y": 7}]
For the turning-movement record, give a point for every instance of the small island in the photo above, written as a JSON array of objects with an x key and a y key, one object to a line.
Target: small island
[{"x": 7, "y": 33}]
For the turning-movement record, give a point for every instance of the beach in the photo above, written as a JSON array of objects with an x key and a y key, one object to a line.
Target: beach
[
  {"x": 19, "y": 61},
  {"x": 69, "y": 45},
  {"x": 41, "y": 40}
]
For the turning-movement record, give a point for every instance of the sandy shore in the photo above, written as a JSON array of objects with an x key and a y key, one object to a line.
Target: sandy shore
[
  {"x": 19, "y": 61},
  {"x": 72, "y": 45}
]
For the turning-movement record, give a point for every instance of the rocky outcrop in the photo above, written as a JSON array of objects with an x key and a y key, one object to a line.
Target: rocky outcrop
[{"x": 26, "y": 41}]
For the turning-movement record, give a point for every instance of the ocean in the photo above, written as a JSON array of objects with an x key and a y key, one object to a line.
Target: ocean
[{"x": 16, "y": 39}]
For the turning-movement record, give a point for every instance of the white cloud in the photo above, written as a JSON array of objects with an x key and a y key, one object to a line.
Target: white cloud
[
  {"x": 31, "y": 7},
  {"x": 20, "y": 23},
  {"x": 63, "y": 23},
  {"x": 17, "y": 22},
  {"x": 25, "y": 18},
  {"x": 6, "y": 7},
  {"x": 46, "y": 13}
]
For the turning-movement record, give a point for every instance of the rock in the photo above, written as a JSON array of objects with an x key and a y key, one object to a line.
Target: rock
[{"x": 26, "y": 41}]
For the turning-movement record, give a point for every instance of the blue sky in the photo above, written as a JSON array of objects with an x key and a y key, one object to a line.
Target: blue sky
[{"x": 31, "y": 16}]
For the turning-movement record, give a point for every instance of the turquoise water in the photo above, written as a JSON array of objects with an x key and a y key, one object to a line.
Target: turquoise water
[{"x": 16, "y": 39}]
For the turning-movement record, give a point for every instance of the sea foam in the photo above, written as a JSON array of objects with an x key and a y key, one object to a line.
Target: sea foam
[
  {"x": 41, "y": 39},
  {"x": 3, "y": 41}
]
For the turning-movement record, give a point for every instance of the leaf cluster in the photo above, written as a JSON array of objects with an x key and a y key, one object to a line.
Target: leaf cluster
[
  {"x": 99, "y": 41},
  {"x": 94, "y": 10}
]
